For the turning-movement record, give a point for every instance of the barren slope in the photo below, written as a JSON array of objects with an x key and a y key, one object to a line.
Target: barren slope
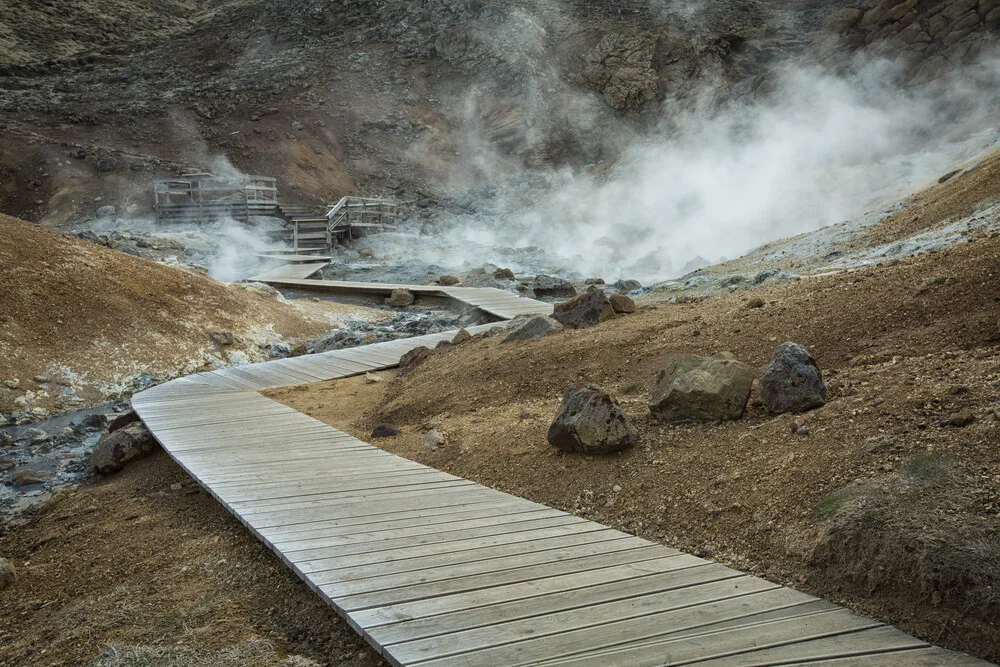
[
  {"x": 77, "y": 318},
  {"x": 885, "y": 505}
]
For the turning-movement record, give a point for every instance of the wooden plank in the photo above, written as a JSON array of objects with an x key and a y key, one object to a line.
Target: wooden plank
[
  {"x": 572, "y": 633},
  {"x": 879, "y": 657},
  {"x": 347, "y": 572},
  {"x": 459, "y": 613},
  {"x": 387, "y": 592}
]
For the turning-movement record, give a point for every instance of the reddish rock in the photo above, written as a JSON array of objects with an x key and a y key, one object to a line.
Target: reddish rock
[{"x": 621, "y": 303}]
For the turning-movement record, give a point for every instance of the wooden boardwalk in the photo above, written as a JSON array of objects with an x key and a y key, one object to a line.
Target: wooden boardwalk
[{"x": 435, "y": 570}]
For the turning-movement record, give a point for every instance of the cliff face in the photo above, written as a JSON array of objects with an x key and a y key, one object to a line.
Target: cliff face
[{"x": 387, "y": 96}]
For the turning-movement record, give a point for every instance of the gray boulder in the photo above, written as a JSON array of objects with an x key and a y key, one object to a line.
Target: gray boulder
[
  {"x": 585, "y": 310},
  {"x": 538, "y": 326},
  {"x": 116, "y": 449},
  {"x": 694, "y": 388},
  {"x": 106, "y": 212},
  {"x": 552, "y": 287},
  {"x": 590, "y": 421},
  {"x": 792, "y": 381},
  {"x": 400, "y": 298}
]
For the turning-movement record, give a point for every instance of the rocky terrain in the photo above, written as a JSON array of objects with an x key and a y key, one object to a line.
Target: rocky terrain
[
  {"x": 821, "y": 173},
  {"x": 875, "y": 483}
]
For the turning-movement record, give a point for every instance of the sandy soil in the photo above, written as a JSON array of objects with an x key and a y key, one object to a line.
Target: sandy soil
[
  {"x": 144, "y": 562},
  {"x": 901, "y": 352},
  {"x": 85, "y": 319}
]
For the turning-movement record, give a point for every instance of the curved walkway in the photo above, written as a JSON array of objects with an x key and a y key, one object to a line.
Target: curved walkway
[{"x": 435, "y": 570}]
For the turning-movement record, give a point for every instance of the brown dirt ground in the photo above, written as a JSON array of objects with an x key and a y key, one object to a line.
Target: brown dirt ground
[
  {"x": 106, "y": 314},
  {"x": 898, "y": 355},
  {"x": 134, "y": 560}
]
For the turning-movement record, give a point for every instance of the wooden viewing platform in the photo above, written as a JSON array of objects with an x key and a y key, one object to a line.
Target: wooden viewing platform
[{"x": 434, "y": 570}]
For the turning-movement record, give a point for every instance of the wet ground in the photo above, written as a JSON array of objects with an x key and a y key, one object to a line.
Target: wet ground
[{"x": 39, "y": 458}]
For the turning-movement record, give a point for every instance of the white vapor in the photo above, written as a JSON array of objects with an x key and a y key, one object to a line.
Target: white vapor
[{"x": 820, "y": 149}]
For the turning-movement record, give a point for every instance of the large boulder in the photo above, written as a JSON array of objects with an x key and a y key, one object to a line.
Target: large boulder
[
  {"x": 792, "y": 381},
  {"x": 116, "y": 449},
  {"x": 695, "y": 388},
  {"x": 621, "y": 303},
  {"x": 552, "y": 287},
  {"x": 447, "y": 280},
  {"x": 400, "y": 298},
  {"x": 590, "y": 421},
  {"x": 585, "y": 310},
  {"x": 538, "y": 326}
]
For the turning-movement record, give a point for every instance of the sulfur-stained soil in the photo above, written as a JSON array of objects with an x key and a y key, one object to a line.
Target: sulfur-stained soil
[
  {"x": 79, "y": 319},
  {"x": 884, "y": 506},
  {"x": 144, "y": 569}
]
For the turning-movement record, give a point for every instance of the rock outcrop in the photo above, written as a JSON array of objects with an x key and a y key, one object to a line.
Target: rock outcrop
[
  {"x": 621, "y": 68},
  {"x": 621, "y": 303},
  {"x": 414, "y": 356},
  {"x": 117, "y": 448},
  {"x": 695, "y": 388},
  {"x": 590, "y": 421},
  {"x": 585, "y": 310},
  {"x": 549, "y": 286},
  {"x": 538, "y": 326},
  {"x": 792, "y": 381}
]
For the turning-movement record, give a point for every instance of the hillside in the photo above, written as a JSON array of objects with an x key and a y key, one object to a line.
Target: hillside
[
  {"x": 887, "y": 501},
  {"x": 81, "y": 322}
]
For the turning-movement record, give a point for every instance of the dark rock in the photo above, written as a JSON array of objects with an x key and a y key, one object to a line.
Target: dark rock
[
  {"x": 552, "y": 287},
  {"x": 117, "y": 448},
  {"x": 590, "y": 421},
  {"x": 96, "y": 421},
  {"x": 585, "y": 310},
  {"x": 400, "y": 298},
  {"x": 338, "y": 340},
  {"x": 448, "y": 280},
  {"x": 756, "y": 302},
  {"x": 122, "y": 420},
  {"x": 415, "y": 356},
  {"x": 538, "y": 326},
  {"x": 594, "y": 281},
  {"x": 503, "y": 274},
  {"x": 627, "y": 285},
  {"x": 7, "y": 464},
  {"x": 442, "y": 343},
  {"x": 462, "y": 336},
  {"x": 792, "y": 381},
  {"x": 621, "y": 303},
  {"x": 694, "y": 388},
  {"x": 385, "y": 431}
]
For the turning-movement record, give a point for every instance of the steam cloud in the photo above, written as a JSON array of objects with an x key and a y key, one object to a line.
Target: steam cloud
[{"x": 820, "y": 150}]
